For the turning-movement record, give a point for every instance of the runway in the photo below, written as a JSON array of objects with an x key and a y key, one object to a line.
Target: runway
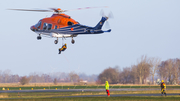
[
  {"x": 78, "y": 90},
  {"x": 117, "y": 95}
]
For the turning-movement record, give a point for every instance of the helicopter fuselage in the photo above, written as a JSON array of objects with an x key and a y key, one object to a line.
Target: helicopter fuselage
[{"x": 62, "y": 25}]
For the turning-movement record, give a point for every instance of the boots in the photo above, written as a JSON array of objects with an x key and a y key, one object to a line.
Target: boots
[
  {"x": 59, "y": 51},
  {"x": 162, "y": 94}
]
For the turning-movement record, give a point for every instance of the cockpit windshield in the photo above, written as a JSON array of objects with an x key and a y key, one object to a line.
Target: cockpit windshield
[{"x": 38, "y": 25}]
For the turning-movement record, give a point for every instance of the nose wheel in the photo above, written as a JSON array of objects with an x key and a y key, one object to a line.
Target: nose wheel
[
  {"x": 72, "y": 41},
  {"x": 39, "y": 37}
]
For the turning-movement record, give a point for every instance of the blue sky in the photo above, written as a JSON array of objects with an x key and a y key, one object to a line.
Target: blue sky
[{"x": 139, "y": 27}]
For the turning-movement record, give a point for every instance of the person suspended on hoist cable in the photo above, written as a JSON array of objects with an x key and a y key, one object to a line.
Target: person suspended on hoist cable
[{"x": 63, "y": 48}]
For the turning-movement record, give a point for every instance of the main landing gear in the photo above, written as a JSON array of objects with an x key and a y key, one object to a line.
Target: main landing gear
[
  {"x": 72, "y": 41},
  {"x": 56, "y": 41}
]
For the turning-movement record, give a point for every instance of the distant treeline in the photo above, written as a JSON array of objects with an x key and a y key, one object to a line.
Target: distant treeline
[
  {"x": 146, "y": 70},
  {"x": 7, "y": 77}
]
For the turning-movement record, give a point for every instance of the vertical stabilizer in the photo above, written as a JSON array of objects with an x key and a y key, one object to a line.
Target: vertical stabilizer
[{"x": 100, "y": 24}]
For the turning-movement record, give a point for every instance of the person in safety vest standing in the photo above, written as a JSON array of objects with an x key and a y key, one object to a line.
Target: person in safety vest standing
[
  {"x": 163, "y": 88},
  {"x": 107, "y": 88}
]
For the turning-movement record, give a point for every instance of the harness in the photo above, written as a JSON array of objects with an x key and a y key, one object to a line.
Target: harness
[{"x": 162, "y": 85}]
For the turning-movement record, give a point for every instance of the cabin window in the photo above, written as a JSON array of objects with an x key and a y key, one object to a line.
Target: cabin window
[
  {"x": 70, "y": 23},
  {"x": 49, "y": 26},
  {"x": 55, "y": 27},
  {"x": 44, "y": 26}
]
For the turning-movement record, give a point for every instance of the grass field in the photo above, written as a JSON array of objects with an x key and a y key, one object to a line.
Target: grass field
[
  {"x": 170, "y": 98},
  {"x": 55, "y": 96}
]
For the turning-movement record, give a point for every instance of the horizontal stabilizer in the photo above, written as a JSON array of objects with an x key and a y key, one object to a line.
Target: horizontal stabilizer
[{"x": 108, "y": 30}]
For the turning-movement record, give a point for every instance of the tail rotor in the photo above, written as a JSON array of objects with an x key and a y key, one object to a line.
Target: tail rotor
[{"x": 110, "y": 15}]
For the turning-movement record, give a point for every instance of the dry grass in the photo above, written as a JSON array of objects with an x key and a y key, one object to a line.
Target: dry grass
[
  {"x": 40, "y": 84},
  {"x": 68, "y": 84},
  {"x": 32, "y": 84},
  {"x": 3, "y": 95}
]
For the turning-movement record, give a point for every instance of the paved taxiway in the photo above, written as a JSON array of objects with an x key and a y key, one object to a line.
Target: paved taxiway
[{"x": 78, "y": 90}]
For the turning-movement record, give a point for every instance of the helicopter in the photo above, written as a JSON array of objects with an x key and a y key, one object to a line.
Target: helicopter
[{"x": 60, "y": 25}]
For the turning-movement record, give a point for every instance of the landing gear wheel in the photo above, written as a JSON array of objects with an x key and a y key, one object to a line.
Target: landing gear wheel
[
  {"x": 72, "y": 41},
  {"x": 55, "y": 41},
  {"x": 38, "y": 37}
]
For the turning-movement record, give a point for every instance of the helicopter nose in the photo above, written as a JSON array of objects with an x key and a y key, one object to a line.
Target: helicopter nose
[{"x": 32, "y": 28}]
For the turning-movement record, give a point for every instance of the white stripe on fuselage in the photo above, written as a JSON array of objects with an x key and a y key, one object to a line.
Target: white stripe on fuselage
[{"x": 55, "y": 34}]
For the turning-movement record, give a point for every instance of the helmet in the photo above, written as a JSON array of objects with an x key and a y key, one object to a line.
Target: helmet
[
  {"x": 162, "y": 81},
  {"x": 65, "y": 44}
]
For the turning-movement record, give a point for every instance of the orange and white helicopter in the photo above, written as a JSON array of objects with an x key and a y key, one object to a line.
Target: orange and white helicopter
[{"x": 60, "y": 25}]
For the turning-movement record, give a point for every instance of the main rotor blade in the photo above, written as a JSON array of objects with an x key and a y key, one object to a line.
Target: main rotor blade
[
  {"x": 85, "y": 8},
  {"x": 32, "y": 10},
  {"x": 56, "y": 9}
]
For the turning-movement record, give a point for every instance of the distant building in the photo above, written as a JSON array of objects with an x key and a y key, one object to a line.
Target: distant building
[
  {"x": 158, "y": 81},
  {"x": 84, "y": 81}
]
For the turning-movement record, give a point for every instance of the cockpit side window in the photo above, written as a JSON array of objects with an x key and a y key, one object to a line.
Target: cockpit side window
[
  {"x": 70, "y": 23},
  {"x": 49, "y": 26},
  {"x": 44, "y": 26}
]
